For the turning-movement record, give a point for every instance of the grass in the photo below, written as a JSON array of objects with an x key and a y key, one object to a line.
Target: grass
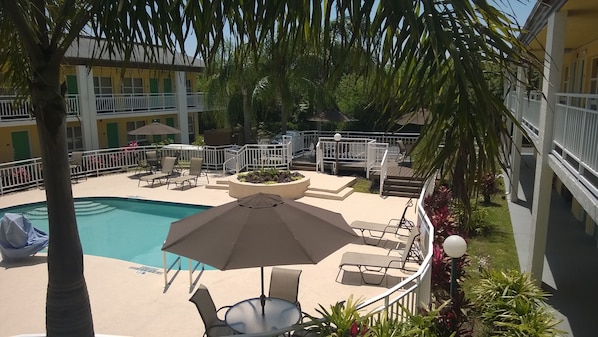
[
  {"x": 362, "y": 185},
  {"x": 497, "y": 245}
]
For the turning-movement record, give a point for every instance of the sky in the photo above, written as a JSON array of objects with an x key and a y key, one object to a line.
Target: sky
[{"x": 519, "y": 8}]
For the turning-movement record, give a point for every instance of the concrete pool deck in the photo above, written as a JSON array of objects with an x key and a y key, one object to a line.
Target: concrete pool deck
[{"x": 128, "y": 300}]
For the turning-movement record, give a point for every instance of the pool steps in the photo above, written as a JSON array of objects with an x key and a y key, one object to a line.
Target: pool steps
[{"x": 82, "y": 208}]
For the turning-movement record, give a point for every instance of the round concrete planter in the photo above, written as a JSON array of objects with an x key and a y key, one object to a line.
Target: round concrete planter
[{"x": 293, "y": 190}]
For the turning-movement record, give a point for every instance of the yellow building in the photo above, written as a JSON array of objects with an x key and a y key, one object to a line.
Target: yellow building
[
  {"x": 561, "y": 118},
  {"x": 104, "y": 103}
]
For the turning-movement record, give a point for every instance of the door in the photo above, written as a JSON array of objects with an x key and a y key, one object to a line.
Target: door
[
  {"x": 170, "y": 122},
  {"x": 112, "y": 133},
  {"x": 154, "y": 93},
  {"x": 168, "y": 96},
  {"x": 20, "y": 145}
]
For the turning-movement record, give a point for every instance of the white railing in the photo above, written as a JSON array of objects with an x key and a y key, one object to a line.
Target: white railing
[
  {"x": 125, "y": 103},
  {"x": 258, "y": 156},
  {"x": 13, "y": 109},
  {"x": 376, "y": 159},
  {"x": 575, "y": 135},
  {"x": 383, "y": 172},
  {"x": 414, "y": 291},
  {"x": 196, "y": 101}
]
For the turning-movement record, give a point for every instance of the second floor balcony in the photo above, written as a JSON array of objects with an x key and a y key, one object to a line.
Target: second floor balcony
[
  {"x": 13, "y": 109},
  {"x": 575, "y": 132}
]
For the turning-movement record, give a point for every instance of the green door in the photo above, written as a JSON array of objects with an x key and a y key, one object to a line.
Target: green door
[
  {"x": 154, "y": 93},
  {"x": 20, "y": 145},
  {"x": 167, "y": 86},
  {"x": 170, "y": 122},
  {"x": 112, "y": 133},
  {"x": 71, "y": 85}
]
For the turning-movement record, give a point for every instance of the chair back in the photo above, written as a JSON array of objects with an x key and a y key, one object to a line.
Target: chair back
[
  {"x": 195, "y": 166},
  {"x": 168, "y": 165},
  {"x": 76, "y": 158},
  {"x": 205, "y": 305},
  {"x": 284, "y": 284},
  {"x": 411, "y": 253}
]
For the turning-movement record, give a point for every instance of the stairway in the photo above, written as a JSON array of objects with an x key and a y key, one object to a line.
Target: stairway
[
  {"x": 402, "y": 186},
  {"x": 82, "y": 208}
]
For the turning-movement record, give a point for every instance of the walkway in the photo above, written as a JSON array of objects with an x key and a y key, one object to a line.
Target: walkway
[{"x": 571, "y": 261}]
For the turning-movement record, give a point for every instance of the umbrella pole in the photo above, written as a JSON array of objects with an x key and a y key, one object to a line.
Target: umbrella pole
[{"x": 263, "y": 297}]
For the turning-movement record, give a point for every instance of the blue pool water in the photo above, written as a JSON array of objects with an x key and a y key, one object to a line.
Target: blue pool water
[{"x": 125, "y": 229}]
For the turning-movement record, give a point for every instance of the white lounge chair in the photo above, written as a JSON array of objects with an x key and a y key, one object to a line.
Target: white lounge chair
[
  {"x": 376, "y": 231},
  {"x": 379, "y": 263},
  {"x": 165, "y": 172}
]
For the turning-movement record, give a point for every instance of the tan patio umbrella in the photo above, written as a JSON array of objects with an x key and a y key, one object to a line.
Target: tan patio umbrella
[
  {"x": 419, "y": 117},
  {"x": 257, "y": 231},
  {"x": 155, "y": 128}
]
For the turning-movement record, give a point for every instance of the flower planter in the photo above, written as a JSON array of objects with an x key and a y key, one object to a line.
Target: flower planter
[{"x": 291, "y": 190}]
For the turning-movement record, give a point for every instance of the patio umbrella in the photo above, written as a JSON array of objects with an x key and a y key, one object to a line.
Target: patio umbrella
[
  {"x": 418, "y": 117},
  {"x": 257, "y": 231},
  {"x": 155, "y": 128}
]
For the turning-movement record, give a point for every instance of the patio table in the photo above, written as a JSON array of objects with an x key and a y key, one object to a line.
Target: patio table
[{"x": 246, "y": 316}]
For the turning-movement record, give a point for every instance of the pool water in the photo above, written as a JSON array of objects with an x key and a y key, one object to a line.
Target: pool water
[{"x": 120, "y": 228}]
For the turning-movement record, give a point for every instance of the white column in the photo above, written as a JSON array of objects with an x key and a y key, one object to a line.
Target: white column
[
  {"x": 181, "y": 104},
  {"x": 517, "y": 136},
  {"x": 87, "y": 104},
  {"x": 553, "y": 60}
]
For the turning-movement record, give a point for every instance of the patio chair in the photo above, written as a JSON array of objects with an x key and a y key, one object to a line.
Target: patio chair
[
  {"x": 392, "y": 226},
  {"x": 195, "y": 171},
  {"x": 76, "y": 165},
  {"x": 151, "y": 157},
  {"x": 380, "y": 264},
  {"x": 142, "y": 165},
  {"x": 402, "y": 151},
  {"x": 284, "y": 284},
  {"x": 165, "y": 172},
  {"x": 214, "y": 326}
]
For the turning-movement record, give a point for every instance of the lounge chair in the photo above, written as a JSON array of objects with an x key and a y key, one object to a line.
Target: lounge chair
[
  {"x": 215, "y": 327},
  {"x": 380, "y": 264},
  {"x": 284, "y": 284},
  {"x": 76, "y": 165},
  {"x": 195, "y": 171},
  {"x": 165, "y": 172},
  {"x": 392, "y": 226}
]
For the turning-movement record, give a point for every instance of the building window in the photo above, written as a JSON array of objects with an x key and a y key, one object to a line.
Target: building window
[
  {"x": 74, "y": 138},
  {"x": 191, "y": 126},
  {"x": 189, "y": 86},
  {"x": 565, "y": 87},
  {"x": 132, "y": 86},
  {"x": 102, "y": 86},
  {"x": 594, "y": 77},
  {"x": 141, "y": 139}
]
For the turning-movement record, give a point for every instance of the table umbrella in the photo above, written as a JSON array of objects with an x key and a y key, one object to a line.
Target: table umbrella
[
  {"x": 418, "y": 117},
  {"x": 257, "y": 231},
  {"x": 155, "y": 128}
]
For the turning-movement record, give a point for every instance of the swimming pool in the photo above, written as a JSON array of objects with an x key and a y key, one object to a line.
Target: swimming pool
[{"x": 120, "y": 228}]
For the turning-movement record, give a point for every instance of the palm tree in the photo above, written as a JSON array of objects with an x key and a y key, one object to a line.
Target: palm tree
[{"x": 439, "y": 47}]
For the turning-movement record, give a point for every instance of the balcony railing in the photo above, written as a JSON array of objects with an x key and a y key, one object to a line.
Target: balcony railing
[
  {"x": 12, "y": 109},
  {"x": 575, "y": 135},
  {"x": 125, "y": 103}
]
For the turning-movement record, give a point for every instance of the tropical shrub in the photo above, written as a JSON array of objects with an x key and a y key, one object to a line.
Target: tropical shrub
[
  {"x": 509, "y": 303},
  {"x": 270, "y": 175},
  {"x": 488, "y": 186}
]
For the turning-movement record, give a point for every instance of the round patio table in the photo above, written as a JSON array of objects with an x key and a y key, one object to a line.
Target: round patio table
[{"x": 246, "y": 316}]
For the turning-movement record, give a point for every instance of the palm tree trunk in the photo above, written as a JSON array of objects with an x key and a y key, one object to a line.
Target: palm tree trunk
[
  {"x": 246, "y": 115},
  {"x": 68, "y": 310}
]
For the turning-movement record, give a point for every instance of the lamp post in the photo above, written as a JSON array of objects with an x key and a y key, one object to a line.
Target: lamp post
[
  {"x": 455, "y": 247},
  {"x": 337, "y": 138}
]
